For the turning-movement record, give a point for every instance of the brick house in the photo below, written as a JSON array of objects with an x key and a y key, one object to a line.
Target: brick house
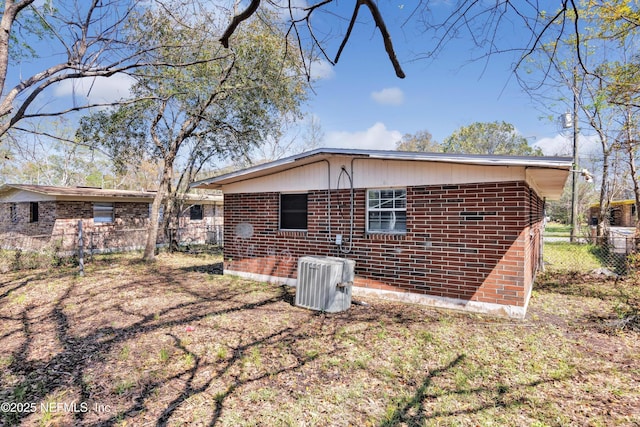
[
  {"x": 37, "y": 216},
  {"x": 622, "y": 213},
  {"x": 456, "y": 231}
]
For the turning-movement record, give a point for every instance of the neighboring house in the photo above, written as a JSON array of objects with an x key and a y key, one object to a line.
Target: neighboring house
[
  {"x": 622, "y": 213},
  {"x": 37, "y": 216},
  {"x": 458, "y": 231}
]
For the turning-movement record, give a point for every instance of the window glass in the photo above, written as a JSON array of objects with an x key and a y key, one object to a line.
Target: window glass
[
  {"x": 102, "y": 212},
  {"x": 160, "y": 212},
  {"x": 195, "y": 212},
  {"x": 33, "y": 212},
  {"x": 293, "y": 211},
  {"x": 13, "y": 212},
  {"x": 387, "y": 210}
]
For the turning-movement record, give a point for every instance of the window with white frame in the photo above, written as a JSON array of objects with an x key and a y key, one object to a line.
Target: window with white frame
[
  {"x": 102, "y": 212},
  {"x": 387, "y": 210}
]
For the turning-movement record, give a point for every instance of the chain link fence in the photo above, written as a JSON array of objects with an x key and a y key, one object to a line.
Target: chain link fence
[
  {"x": 19, "y": 251},
  {"x": 610, "y": 255}
]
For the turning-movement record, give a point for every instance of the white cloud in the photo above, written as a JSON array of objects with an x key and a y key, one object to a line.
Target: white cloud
[
  {"x": 557, "y": 146},
  {"x": 377, "y": 137},
  {"x": 296, "y": 7},
  {"x": 561, "y": 145},
  {"x": 321, "y": 70},
  {"x": 97, "y": 89},
  {"x": 388, "y": 96}
]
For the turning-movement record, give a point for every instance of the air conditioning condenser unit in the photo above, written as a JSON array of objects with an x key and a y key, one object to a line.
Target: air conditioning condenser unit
[{"x": 324, "y": 283}]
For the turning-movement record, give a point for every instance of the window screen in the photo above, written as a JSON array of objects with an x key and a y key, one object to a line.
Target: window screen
[
  {"x": 293, "y": 211},
  {"x": 195, "y": 212}
]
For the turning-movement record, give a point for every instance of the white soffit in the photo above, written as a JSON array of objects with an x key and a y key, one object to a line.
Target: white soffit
[
  {"x": 549, "y": 183},
  {"x": 548, "y": 170}
]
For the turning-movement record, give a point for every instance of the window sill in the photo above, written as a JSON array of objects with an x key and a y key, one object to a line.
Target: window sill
[
  {"x": 379, "y": 235},
  {"x": 292, "y": 233}
]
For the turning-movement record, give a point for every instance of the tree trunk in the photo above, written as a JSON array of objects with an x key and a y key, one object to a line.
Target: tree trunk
[
  {"x": 634, "y": 178},
  {"x": 154, "y": 226},
  {"x": 602, "y": 225},
  {"x": 636, "y": 187},
  {"x": 172, "y": 212},
  {"x": 9, "y": 16}
]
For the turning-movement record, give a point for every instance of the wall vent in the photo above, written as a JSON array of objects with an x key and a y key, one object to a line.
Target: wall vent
[{"x": 324, "y": 283}]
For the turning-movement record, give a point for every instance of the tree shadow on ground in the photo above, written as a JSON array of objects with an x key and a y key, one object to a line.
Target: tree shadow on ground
[
  {"x": 576, "y": 284},
  {"x": 215, "y": 268},
  {"x": 410, "y": 411},
  {"x": 92, "y": 323},
  {"x": 67, "y": 368}
]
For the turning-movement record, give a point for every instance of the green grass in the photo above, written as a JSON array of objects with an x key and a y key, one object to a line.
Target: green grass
[
  {"x": 577, "y": 257},
  {"x": 171, "y": 344},
  {"x": 556, "y": 229},
  {"x": 123, "y": 387}
]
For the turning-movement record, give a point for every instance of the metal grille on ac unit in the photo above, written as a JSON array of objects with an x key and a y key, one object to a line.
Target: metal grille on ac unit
[{"x": 324, "y": 283}]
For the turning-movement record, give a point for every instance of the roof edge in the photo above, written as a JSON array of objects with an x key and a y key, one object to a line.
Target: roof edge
[
  {"x": 83, "y": 192},
  {"x": 478, "y": 159}
]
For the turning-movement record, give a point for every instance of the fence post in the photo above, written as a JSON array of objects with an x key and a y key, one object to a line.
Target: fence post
[{"x": 80, "y": 249}]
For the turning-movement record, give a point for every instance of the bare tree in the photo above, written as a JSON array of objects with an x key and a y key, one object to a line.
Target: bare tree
[
  {"x": 84, "y": 39},
  {"x": 480, "y": 21},
  {"x": 292, "y": 137},
  {"x": 228, "y": 102},
  {"x": 630, "y": 143},
  {"x": 600, "y": 79}
]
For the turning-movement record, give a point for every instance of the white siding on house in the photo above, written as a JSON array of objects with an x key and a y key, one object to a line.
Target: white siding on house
[
  {"x": 393, "y": 173},
  {"x": 304, "y": 178},
  {"x": 374, "y": 173},
  {"x": 17, "y": 196}
]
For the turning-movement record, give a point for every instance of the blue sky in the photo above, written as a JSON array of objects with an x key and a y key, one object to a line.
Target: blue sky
[{"x": 361, "y": 103}]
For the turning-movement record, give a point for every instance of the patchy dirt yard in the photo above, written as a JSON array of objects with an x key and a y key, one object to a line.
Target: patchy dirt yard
[{"x": 174, "y": 343}]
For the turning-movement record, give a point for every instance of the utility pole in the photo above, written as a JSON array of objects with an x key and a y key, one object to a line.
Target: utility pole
[{"x": 574, "y": 178}]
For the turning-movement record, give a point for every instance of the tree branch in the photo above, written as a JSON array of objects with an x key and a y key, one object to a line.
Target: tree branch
[
  {"x": 373, "y": 8},
  {"x": 9, "y": 16},
  {"x": 386, "y": 37},
  {"x": 237, "y": 20}
]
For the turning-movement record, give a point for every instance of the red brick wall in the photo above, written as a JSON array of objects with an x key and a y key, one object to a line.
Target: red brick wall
[
  {"x": 45, "y": 223},
  {"x": 466, "y": 242},
  {"x": 58, "y": 225},
  {"x": 195, "y": 230},
  {"x": 535, "y": 229}
]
